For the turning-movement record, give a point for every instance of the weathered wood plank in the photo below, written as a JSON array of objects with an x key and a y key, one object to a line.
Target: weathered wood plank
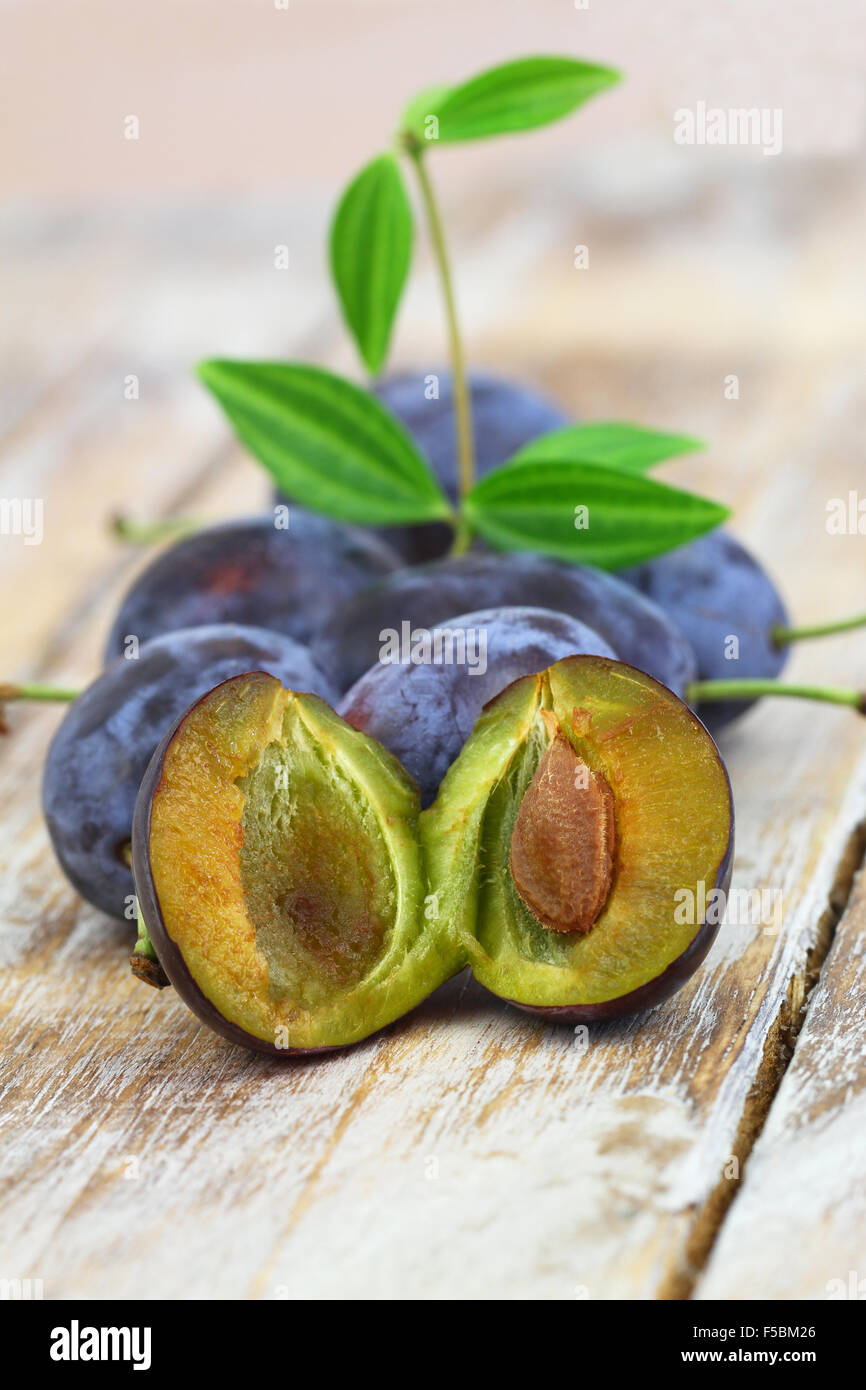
[
  {"x": 494, "y": 1156},
  {"x": 798, "y": 1224}
]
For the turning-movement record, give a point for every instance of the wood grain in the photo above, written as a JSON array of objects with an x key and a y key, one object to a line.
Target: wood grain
[
  {"x": 470, "y": 1151},
  {"x": 808, "y": 1160}
]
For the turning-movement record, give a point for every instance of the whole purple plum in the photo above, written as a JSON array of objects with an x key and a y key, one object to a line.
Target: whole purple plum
[
  {"x": 727, "y": 606},
  {"x": 423, "y": 698},
  {"x": 429, "y": 594},
  {"x": 252, "y": 572}
]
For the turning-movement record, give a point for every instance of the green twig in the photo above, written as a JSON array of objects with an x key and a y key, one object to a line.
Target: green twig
[
  {"x": 51, "y": 694},
  {"x": 752, "y": 689},
  {"x": 462, "y": 398},
  {"x": 782, "y": 636}
]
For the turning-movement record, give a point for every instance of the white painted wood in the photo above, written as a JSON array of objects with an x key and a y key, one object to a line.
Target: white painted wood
[
  {"x": 471, "y": 1151},
  {"x": 798, "y": 1224}
]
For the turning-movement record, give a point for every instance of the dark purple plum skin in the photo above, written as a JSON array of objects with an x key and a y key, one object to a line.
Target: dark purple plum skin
[
  {"x": 170, "y": 956},
  {"x": 635, "y": 628},
  {"x": 712, "y": 589},
  {"x": 253, "y": 573},
  {"x": 672, "y": 978},
  {"x": 424, "y": 713},
  {"x": 101, "y": 750},
  {"x": 506, "y": 416}
]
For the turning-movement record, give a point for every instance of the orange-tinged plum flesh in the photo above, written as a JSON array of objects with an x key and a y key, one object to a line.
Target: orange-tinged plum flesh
[
  {"x": 199, "y": 881},
  {"x": 269, "y": 887}
]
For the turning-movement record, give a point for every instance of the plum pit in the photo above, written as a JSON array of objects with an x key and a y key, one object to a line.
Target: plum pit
[{"x": 562, "y": 845}]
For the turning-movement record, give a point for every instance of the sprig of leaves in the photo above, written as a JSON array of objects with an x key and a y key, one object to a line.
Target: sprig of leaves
[
  {"x": 372, "y": 230},
  {"x": 580, "y": 493},
  {"x": 334, "y": 448}
]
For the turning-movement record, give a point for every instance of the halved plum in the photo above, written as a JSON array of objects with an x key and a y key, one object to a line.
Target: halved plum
[
  {"x": 279, "y": 872},
  {"x": 577, "y": 840}
]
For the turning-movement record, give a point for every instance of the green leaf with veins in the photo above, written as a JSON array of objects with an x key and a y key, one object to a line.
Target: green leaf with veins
[
  {"x": 371, "y": 245},
  {"x": 329, "y": 445},
  {"x": 619, "y": 445},
  {"x": 514, "y": 96},
  {"x": 586, "y": 512}
]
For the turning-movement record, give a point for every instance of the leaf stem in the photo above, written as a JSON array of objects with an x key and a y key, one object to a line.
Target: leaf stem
[
  {"x": 783, "y": 635},
  {"x": 750, "y": 689},
  {"x": 462, "y": 399},
  {"x": 463, "y": 534}
]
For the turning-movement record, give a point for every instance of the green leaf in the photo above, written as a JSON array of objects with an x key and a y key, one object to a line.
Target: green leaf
[
  {"x": 631, "y": 447},
  {"x": 329, "y": 445},
  {"x": 628, "y": 517},
  {"x": 371, "y": 245},
  {"x": 520, "y": 95}
]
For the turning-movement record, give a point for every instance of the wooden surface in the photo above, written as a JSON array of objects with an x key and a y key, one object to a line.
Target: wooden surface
[{"x": 710, "y": 1148}]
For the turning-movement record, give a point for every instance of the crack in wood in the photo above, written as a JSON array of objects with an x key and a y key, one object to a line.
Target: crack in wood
[{"x": 777, "y": 1056}]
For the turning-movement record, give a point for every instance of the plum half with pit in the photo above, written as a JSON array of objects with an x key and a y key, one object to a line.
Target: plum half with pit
[
  {"x": 423, "y": 698},
  {"x": 634, "y": 627},
  {"x": 581, "y": 844},
  {"x": 252, "y": 572},
  {"x": 279, "y": 872},
  {"x": 101, "y": 749},
  {"x": 728, "y": 608}
]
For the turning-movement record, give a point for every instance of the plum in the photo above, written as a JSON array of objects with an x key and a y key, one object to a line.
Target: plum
[
  {"x": 252, "y": 572},
  {"x": 576, "y": 858},
  {"x": 101, "y": 749},
  {"x": 726, "y": 605},
  {"x": 580, "y": 847},
  {"x": 423, "y": 698},
  {"x": 634, "y": 627},
  {"x": 279, "y": 871}
]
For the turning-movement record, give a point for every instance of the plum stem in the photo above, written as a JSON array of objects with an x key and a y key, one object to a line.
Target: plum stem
[
  {"x": 783, "y": 635},
  {"x": 151, "y": 532},
  {"x": 751, "y": 689},
  {"x": 462, "y": 398},
  {"x": 46, "y": 693},
  {"x": 51, "y": 694},
  {"x": 143, "y": 944},
  {"x": 145, "y": 962}
]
